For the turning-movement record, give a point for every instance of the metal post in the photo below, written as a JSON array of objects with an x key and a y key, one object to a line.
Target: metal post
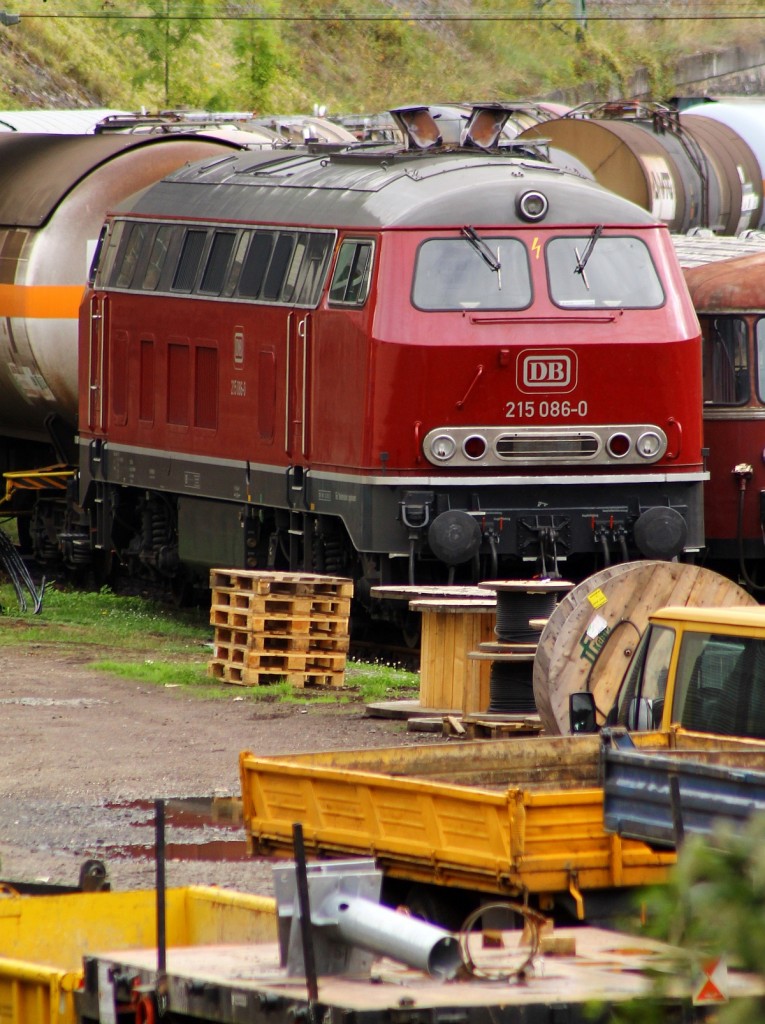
[{"x": 306, "y": 928}]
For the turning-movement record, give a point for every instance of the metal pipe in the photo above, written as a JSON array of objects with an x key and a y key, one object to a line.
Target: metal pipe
[{"x": 379, "y": 929}]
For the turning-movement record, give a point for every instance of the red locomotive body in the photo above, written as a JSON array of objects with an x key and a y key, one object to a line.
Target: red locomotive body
[
  {"x": 404, "y": 365},
  {"x": 729, "y": 295}
]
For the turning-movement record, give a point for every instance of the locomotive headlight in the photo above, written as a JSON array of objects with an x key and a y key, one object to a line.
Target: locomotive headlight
[
  {"x": 648, "y": 445},
  {"x": 618, "y": 445},
  {"x": 531, "y": 206},
  {"x": 474, "y": 446},
  {"x": 443, "y": 447}
]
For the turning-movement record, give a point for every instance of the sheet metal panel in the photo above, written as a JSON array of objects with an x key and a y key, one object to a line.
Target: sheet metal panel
[{"x": 638, "y": 803}]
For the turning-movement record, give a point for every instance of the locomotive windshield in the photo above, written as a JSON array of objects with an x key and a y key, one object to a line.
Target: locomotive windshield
[
  {"x": 617, "y": 272},
  {"x": 454, "y": 273}
]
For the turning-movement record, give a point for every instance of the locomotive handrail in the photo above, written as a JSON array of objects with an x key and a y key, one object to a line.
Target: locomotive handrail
[
  {"x": 478, "y": 374},
  {"x": 601, "y": 318}
]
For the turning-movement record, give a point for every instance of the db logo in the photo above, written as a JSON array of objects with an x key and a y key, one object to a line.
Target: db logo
[{"x": 546, "y": 370}]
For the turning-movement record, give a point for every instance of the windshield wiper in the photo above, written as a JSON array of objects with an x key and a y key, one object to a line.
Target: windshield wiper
[
  {"x": 581, "y": 261},
  {"x": 485, "y": 252}
]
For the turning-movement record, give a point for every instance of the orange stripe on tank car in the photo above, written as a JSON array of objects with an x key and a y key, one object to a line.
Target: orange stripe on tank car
[{"x": 41, "y": 302}]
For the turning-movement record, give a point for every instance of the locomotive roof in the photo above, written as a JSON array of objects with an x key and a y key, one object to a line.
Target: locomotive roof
[
  {"x": 373, "y": 188},
  {"x": 728, "y": 285}
]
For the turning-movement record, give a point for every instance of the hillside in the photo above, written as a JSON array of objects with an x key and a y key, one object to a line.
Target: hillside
[{"x": 111, "y": 53}]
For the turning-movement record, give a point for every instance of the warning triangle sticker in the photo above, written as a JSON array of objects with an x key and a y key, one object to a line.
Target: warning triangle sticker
[{"x": 711, "y": 982}]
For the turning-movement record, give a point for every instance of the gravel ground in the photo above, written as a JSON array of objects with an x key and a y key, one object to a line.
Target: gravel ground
[{"x": 86, "y": 754}]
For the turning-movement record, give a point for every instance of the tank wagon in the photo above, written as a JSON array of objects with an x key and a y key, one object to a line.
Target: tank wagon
[
  {"x": 48, "y": 235},
  {"x": 402, "y": 364},
  {"x": 689, "y": 170}
]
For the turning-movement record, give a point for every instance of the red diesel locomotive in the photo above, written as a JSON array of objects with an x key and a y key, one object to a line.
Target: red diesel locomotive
[
  {"x": 726, "y": 280},
  {"x": 405, "y": 364}
]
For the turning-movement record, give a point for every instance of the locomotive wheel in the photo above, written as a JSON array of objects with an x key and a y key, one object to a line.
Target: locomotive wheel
[{"x": 589, "y": 639}]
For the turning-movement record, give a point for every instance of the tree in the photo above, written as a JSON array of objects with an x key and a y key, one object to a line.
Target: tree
[
  {"x": 169, "y": 32},
  {"x": 255, "y": 45}
]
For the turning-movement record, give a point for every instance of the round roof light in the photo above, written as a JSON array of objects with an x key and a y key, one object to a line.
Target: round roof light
[{"x": 531, "y": 206}]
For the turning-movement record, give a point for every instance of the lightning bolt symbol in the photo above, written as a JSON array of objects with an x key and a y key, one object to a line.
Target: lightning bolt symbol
[{"x": 536, "y": 248}]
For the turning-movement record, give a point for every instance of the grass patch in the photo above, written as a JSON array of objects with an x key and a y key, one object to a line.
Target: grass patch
[
  {"x": 151, "y": 643},
  {"x": 83, "y": 619}
]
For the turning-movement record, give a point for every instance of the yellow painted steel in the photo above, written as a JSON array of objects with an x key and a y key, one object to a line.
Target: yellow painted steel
[
  {"x": 50, "y": 478},
  {"x": 49, "y": 935},
  {"x": 526, "y": 816}
]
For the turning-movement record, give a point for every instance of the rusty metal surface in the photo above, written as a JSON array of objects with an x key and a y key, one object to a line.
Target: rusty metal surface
[{"x": 37, "y": 170}]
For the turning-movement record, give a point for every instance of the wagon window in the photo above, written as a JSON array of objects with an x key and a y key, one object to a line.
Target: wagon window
[
  {"x": 277, "y": 268},
  {"x": 725, "y": 360},
  {"x": 235, "y": 270},
  {"x": 308, "y": 268},
  {"x": 455, "y": 273},
  {"x": 158, "y": 256},
  {"x": 188, "y": 265},
  {"x": 131, "y": 248},
  {"x": 602, "y": 272},
  {"x": 721, "y": 685},
  {"x": 760, "y": 349},
  {"x": 352, "y": 274},
  {"x": 254, "y": 267},
  {"x": 103, "y": 260},
  {"x": 217, "y": 262}
]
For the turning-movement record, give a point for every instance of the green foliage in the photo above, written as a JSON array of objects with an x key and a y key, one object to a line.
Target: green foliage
[
  {"x": 169, "y": 36},
  {"x": 256, "y": 46},
  {"x": 108, "y": 56},
  {"x": 715, "y": 904},
  {"x": 76, "y": 618},
  {"x": 377, "y": 682},
  {"x": 166, "y": 646}
]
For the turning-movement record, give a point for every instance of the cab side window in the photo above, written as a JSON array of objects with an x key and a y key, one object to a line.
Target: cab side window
[
  {"x": 352, "y": 274},
  {"x": 640, "y": 703}
]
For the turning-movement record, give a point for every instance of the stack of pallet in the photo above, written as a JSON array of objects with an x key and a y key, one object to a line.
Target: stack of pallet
[{"x": 279, "y": 625}]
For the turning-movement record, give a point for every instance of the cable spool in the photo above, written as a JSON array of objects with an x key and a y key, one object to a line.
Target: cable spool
[
  {"x": 520, "y": 601},
  {"x": 514, "y": 612},
  {"x": 589, "y": 639},
  {"x": 511, "y": 688}
]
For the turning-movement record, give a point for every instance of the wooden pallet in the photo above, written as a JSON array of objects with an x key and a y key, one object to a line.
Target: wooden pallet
[
  {"x": 261, "y": 582},
  {"x": 271, "y": 626},
  {"x": 300, "y": 680}
]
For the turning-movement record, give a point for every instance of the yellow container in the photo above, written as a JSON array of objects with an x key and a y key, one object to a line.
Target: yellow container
[{"x": 44, "y": 938}]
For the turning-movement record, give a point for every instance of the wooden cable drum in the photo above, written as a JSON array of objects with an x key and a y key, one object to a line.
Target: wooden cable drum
[
  {"x": 590, "y": 636},
  {"x": 511, "y": 688}
]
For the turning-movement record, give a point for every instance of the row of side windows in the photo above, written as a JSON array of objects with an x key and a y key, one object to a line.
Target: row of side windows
[{"x": 259, "y": 264}]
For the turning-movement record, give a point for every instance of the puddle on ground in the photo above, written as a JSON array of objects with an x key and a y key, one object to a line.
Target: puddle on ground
[{"x": 196, "y": 829}]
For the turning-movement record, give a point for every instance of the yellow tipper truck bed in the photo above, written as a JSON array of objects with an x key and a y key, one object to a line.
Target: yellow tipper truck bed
[{"x": 507, "y": 816}]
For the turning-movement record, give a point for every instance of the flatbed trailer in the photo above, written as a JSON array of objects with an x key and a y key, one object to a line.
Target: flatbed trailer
[
  {"x": 43, "y": 939},
  {"x": 520, "y": 818},
  {"x": 244, "y": 985}
]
